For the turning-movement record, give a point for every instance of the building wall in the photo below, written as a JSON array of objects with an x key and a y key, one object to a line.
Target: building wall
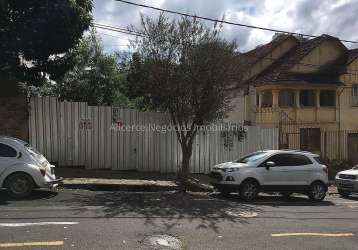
[
  {"x": 239, "y": 112},
  {"x": 276, "y": 53},
  {"x": 348, "y": 112},
  {"x": 327, "y": 117},
  {"x": 243, "y": 107},
  {"x": 337, "y": 123},
  {"x": 244, "y": 103},
  {"x": 14, "y": 117},
  {"x": 327, "y": 52}
]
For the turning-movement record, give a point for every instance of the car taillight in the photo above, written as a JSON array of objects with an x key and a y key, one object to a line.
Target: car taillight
[{"x": 325, "y": 169}]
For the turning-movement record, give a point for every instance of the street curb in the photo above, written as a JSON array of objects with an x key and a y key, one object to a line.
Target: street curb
[
  {"x": 116, "y": 187},
  {"x": 142, "y": 188}
]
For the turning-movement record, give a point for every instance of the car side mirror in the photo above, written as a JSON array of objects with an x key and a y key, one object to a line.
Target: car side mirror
[
  {"x": 269, "y": 164},
  {"x": 19, "y": 156}
]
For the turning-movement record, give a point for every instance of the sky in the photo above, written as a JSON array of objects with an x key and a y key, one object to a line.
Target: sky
[{"x": 334, "y": 17}]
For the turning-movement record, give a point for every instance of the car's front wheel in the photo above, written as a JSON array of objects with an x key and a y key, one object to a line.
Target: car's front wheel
[
  {"x": 317, "y": 191},
  {"x": 19, "y": 185},
  {"x": 249, "y": 190},
  {"x": 344, "y": 193}
]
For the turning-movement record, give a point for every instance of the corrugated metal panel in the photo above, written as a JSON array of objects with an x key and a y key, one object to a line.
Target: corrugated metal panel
[{"x": 75, "y": 134}]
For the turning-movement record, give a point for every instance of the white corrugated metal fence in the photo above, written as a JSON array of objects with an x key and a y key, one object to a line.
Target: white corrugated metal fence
[{"x": 75, "y": 134}]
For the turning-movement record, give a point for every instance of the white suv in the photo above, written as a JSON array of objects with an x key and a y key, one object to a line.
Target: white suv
[
  {"x": 347, "y": 181},
  {"x": 284, "y": 171}
]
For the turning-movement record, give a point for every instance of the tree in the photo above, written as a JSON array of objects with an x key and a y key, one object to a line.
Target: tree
[
  {"x": 183, "y": 68},
  {"x": 37, "y": 36},
  {"x": 96, "y": 78}
]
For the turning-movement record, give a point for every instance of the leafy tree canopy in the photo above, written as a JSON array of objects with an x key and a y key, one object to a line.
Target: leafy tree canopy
[
  {"x": 36, "y": 36},
  {"x": 96, "y": 77},
  {"x": 184, "y": 68}
]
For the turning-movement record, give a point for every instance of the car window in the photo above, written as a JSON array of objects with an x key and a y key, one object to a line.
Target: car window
[
  {"x": 318, "y": 160},
  {"x": 289, "y": 160},
  {"x": 7, "y": 151},
  {"x": 301, "y": 160},
  {"x": 251, "y": 157}
]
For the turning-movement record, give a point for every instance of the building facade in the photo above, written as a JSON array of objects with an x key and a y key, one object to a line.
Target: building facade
[{"x": 308, "y": 88}]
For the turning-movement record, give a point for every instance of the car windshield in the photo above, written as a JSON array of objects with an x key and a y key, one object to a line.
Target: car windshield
[{"x": 251, "y": 157}]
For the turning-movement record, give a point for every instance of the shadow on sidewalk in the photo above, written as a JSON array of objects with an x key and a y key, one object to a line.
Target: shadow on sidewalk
[{"x": 168, "y": 207}]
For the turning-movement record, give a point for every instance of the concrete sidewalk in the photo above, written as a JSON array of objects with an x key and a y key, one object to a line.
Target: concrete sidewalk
[
  {"x": 119, "y": 184},
  {"x": 110, "y": 180}
]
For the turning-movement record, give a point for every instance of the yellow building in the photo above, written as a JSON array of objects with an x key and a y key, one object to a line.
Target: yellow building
[{"x": 308, "y": 88}]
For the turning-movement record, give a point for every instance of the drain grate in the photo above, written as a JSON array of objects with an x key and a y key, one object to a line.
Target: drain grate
[{"x": 162, "y": 242}]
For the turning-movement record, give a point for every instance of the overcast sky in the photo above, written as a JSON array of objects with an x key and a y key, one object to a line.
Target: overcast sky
[{"x": 334, "y": 17}]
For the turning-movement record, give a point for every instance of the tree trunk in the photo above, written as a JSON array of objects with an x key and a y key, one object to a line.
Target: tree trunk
[{"x": 184, "y": 170}]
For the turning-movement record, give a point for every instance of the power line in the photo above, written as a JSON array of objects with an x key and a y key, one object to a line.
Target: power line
[
  {"x": 117, "y": 44},
  {"x": 119, "y": 29},
  {"x": 226, "y": 22},
  {"x": 98, "y": 25},
  {"x": 119, "y": 37}
]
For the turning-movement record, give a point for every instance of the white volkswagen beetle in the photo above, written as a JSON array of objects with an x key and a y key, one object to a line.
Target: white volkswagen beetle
[{"x": 23, "y": 168}]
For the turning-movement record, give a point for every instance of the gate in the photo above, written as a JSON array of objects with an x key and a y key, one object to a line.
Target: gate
[
  {"x": 289, "y": 131},
  {"x": 353, "y": 147}
]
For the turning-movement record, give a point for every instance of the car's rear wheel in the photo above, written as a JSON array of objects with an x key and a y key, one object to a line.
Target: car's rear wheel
[
  {"x": 317, "y": 191},
  {"x": 249, "y": 190},
  {"x": 19, "y": 185},
  {"x": 344, "y": 193}
]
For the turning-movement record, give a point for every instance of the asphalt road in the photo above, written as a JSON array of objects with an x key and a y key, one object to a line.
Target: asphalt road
[{"x": 80, "y": 219}]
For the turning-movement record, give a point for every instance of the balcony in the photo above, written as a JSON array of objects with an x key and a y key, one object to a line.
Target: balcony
[{"x": 297, "y": 106}]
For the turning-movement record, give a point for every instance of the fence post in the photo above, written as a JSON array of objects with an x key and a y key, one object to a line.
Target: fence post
[
  {"x": 339, "y": 145},
  {"x": 325, "y": 144}
]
